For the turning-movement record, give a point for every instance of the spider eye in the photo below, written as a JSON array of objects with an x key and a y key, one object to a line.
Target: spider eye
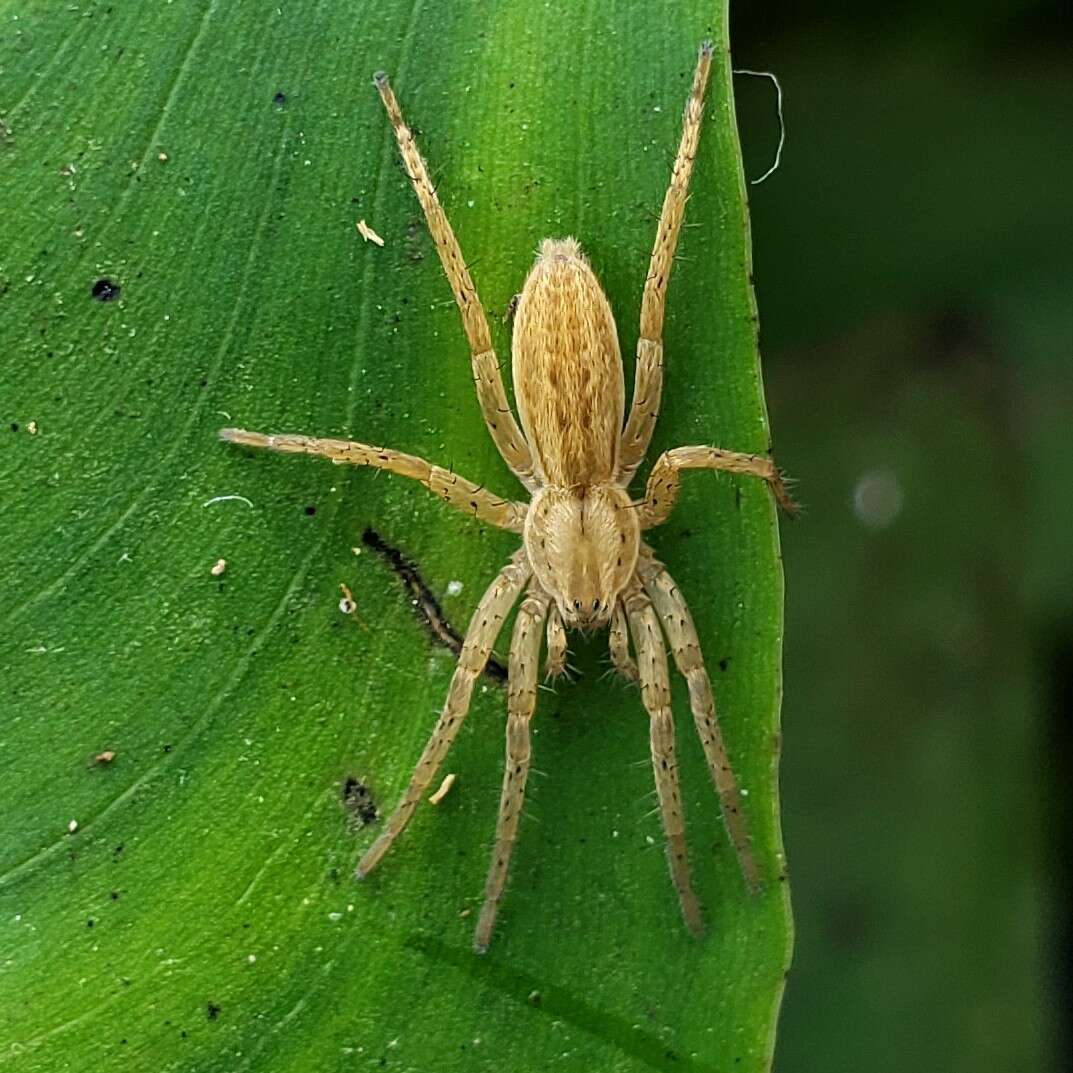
[
  {"x": 596, "y": 605},
  {"x": 577, "y": 605}
]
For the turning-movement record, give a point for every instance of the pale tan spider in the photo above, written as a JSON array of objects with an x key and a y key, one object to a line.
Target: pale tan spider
[{"x": 582, "y": 563}]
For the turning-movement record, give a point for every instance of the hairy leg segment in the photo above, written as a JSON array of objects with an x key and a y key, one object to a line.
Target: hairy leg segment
[
  {"x": 461, "y": 494},
  {"x": 481, "y": 634}
]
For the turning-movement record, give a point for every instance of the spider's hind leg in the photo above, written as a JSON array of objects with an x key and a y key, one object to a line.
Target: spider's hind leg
[
  {"x": 648, "y": 379},
  {"x": 491, "y": 394}
]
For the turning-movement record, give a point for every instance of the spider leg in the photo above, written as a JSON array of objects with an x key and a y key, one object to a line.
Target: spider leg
[
  {"x": 648, "y": 377},
  {"x": 685, "y": 644},
  {"x": 463, "y": 495},
  {"x": 481, "y": 633},
  {"x": 491, "y": 394},
  {"x": 665, "y": 479},
  {"x": 555, "y": 663},
  {"x": 656, "y": 695},
  {"x": 619, "y": 641},
  {"x": 521, "y": 703}
]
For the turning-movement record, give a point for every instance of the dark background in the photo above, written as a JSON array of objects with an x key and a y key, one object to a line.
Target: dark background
[{"x": 914, "y": 279}]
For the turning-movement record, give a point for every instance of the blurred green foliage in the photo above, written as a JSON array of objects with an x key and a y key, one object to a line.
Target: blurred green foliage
[{"x": 915, "y": 277}]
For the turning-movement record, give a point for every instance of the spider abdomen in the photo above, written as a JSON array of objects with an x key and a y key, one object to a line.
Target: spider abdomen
[{"x": 568, "y": 369}]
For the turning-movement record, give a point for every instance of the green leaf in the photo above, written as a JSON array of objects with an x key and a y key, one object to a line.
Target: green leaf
[{"x": 210, "y": 161}]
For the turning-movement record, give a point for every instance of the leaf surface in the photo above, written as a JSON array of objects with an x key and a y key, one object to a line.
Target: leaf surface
[{"x": 186, "y": 180}]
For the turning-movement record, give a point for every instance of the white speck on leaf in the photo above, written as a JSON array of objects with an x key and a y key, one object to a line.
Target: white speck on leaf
[
  {"x": 368, "y": 233},
  {"x": 445, "y": 788},
  {"x": 226, "y": 499}
]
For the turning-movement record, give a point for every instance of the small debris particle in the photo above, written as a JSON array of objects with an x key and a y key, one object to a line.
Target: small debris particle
[
  {"x": 218, "y": 567},
  {"x": 162, "y": 157},
  {"x": 105, "y": 290},
  {"x": 465, "y": 913},
  {"x": 280, "y": 99},
  {"x": 535, "y": 998},
  {"x": 368, "y": 233},
  {"x": 225, "y": 499},
  {"x": 348, "y": 605},
  {"x": 359, "y": 802},
  {"x": 444, "y": 790},
  {"x": 782, "y": 123},
  {"x": 425, "y": 603},
  {"x": 31, "y": 427},
  {"x": 454, "y": 588},
  {"x": 212, "y": 1011},
  {"x": 72, "y": 826},
  {"x": 104, "y": 758}
]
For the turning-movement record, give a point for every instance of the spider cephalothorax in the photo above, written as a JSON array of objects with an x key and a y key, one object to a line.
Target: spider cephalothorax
[
  {"x": 582, "y": 544},
  {"x": 582, "y": 563}
]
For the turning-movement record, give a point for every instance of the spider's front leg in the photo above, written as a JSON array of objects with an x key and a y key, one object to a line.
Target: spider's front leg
[
  {"x": 463, "y": 495},
  {"x": 521, "y": 703},
  {"x": 665, "y": 480},
  {"x": 481, "y": 633},
  {"x": 685, "y": 644},
  {"x": 656, "y": 695}
]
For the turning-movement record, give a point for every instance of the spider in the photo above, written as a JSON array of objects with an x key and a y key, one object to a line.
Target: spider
[{"x": 582, "y": 564}]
